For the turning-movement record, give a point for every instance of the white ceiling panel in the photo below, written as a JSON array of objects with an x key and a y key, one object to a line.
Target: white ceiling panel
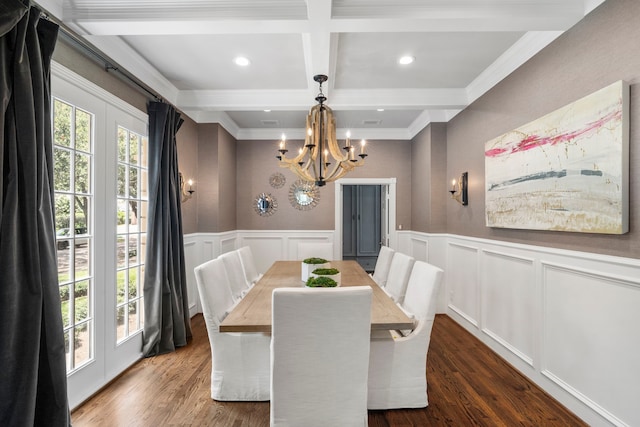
[{"x": 184, "y": 50}]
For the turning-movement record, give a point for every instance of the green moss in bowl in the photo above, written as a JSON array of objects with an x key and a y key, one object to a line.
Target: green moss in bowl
[
  {"x": 314, "y": 260},
  {"x": 325, "y": 271},
  {"x": 321, "y": 282}
]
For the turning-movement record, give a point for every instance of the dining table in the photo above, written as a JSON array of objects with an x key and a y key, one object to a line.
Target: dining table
[{"x": 253, "y": 312}]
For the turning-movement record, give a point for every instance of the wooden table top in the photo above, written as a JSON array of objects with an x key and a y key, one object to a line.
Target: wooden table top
[{"x": 253, "y": 313}]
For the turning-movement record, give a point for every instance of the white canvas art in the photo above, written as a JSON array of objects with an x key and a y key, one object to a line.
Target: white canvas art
[{"x": 567, "y": 171}]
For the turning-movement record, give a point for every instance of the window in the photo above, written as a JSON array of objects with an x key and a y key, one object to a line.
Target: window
[
  {"x": 73, "y": 189},
  {"x": 131, "y": 228}
]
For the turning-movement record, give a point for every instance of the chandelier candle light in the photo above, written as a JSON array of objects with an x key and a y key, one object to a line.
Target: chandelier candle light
[{"x": 313, "y": 163}]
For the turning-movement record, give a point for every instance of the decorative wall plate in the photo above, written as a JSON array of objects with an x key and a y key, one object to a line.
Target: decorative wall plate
[
  {"x": 304, "y": 195},
  {"x": 265, "y": 204},
  {"x": 277, "y": 180}
]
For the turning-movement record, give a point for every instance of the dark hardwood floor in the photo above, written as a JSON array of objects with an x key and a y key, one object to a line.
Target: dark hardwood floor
[{"x": 468, "y": 385}]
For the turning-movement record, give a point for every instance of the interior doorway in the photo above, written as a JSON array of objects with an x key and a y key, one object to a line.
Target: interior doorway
[
  {"x": 383, "y": 218},
  {"x": 361, "y": 224}
]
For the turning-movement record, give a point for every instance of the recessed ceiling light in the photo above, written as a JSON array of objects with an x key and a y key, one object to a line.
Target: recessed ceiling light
[
  {"x": 267, "y": 111},
  {"x": 380, "y": 109},
  {"x": 406, "y": 60},
  {"x": 242, "y": 61}
]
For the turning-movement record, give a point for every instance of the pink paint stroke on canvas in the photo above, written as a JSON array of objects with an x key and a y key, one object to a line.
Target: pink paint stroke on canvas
[{"x": 534, "y": 141}]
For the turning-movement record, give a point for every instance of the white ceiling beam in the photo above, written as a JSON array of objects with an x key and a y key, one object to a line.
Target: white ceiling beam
[
  {"x": 317, "y": 41},
  {"x": 288, "y": 100}
]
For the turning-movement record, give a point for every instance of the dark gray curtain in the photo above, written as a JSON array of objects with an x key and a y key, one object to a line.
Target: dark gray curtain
[
  {"x": 166, "y": 305},
  {"x": 33, "y": 382}
]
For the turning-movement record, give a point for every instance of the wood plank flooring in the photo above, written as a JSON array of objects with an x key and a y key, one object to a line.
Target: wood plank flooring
[{"x": 468, "y": 385}]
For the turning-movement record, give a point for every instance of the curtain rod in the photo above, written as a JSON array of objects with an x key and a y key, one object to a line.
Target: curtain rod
[{"x": 83, "y": 46}]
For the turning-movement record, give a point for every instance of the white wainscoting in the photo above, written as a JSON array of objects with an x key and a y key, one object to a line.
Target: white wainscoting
[{"x": 570, "y": 321}]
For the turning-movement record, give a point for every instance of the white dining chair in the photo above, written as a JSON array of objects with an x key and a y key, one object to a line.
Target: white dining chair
[
  {"x": 237, "y": 279},
  {"x": 315, "y": 249},
  {"x": 248, "y": 265},
  {"x": 239, "y": 361},
  {"x": 320, "y": 356},
  {"x": 398, "y": 277},
  {"x": 397, "y": 364},
  {"x": 381, "y": 270}
]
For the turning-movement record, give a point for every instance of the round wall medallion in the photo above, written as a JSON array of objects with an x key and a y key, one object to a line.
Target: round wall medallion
[
  {"x": 265, "y": 204},
  {"x": 304, "y": 195},
  {"x": 277, "y": 180}
]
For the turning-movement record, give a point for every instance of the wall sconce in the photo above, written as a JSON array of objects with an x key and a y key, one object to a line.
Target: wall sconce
[
  {"x": 459, "y": 191},
  {"x": 185, "y": 194}
]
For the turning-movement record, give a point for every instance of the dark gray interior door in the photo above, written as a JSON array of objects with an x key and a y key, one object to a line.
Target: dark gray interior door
[{"x": 361, "y": 224}]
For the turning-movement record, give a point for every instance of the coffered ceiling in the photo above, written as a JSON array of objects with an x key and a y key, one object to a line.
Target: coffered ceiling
[{"x": 185, "y": 50}]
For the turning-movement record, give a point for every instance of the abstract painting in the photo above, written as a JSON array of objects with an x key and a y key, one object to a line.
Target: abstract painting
[{"x": 566, "y": 171}]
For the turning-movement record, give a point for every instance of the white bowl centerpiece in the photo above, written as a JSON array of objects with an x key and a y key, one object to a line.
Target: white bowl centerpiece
[
  {"x": 310, "y": 264},
  {"x": 331, "y": 273}
]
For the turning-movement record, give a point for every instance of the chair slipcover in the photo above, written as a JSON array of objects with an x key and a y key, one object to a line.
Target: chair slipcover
[
  {"x": 248, "y": 265},
  {"x": 239, "y": 361},
  {"x": 237, "y": 280},
  {"x": 315, "y": 249},
  {"x": 397, "y": 365},
  {"x": 320, "y": 356},
  {"x": 381, "y": 270},
  {"x": 399, "y": 272}
]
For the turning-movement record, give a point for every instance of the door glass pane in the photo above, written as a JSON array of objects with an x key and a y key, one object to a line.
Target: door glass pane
[
  {"x": 73, "y": 192},
  {"x": 132, "y": 227}
]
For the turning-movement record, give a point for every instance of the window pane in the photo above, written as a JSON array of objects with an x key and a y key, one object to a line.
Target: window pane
[
  {"x": 61, "y": 169},
  {"x": 133, "y": 149},
  {"x": 63, "y": 214},
  {"x": 133, "y": 217},
  {"x": 83, "y": 173},
  {"x": 142, "y": 216},
  {"x": 66, "y": 348},
  {"x": 82, "y": 259},
  {"x": 122, "y": 181},
  {"x": 133, "y": 317},
  {"x": 65, "y": 306},
  {"x": 82, "y": 344},
  {"x": 133, "y": 283},
  {"x": 82, "y": 301},
  {"x": 83, "y": 131},
  {"x": 133, "y": 250},
  {"x": 61, "y": 123},
  {"x": 144, "y": 146},
  {"x": 122, "y": 332},
  {"x": 121, "y": 286},
  {"x": 122, "y": 259},
  {"x": 133, "y": 182},
  {"x": 82, "y": 209},
  {"x": 142, "y": 251},
  {"x": 122, "y": 144},
  {"x": 144, "y": 185}
]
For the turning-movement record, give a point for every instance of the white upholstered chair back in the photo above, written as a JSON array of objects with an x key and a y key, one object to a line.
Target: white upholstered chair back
[
  {"x": 248, "y": 265},
  {"x": 320, "y": 356},
  {"x": 381, "y": 270},
  {"x": 315, "y": 249},
  {"x": 237, "y": 280},
  {"x": 398, "y": 277},
  {"x": 214, "y": 289},
  {"x": 420, "y": 299},
  {"x": 397, "y": 364},
  {"x": 239, "y": 361}
]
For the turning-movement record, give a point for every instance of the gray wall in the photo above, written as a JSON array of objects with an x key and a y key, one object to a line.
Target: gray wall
[
  {"x": 598, "y": 51},
  {"x": 429, "y": 196},
  {"x": 257, "y": 161}
]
